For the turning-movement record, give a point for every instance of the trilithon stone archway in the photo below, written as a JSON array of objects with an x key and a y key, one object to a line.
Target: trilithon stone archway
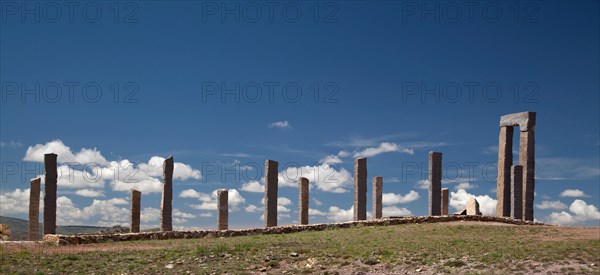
[{"x": 526, "y": 123}]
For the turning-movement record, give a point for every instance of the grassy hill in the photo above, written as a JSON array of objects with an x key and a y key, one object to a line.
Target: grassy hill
[
  {"x": 19, "y": 228},
  {"x": 453, "y": 247}
]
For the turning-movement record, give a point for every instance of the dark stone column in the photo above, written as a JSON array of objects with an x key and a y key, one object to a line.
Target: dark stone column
[
  {"x": 271, "y": 185},
  {"x": 360, "y": 189},
  {"x": 435, "y": 183},
  {"x": 136, "y": 205},
  {"x": 517, "y": 191},
  {"x": 50, "y": 193},
  {"x": 166, "y": 207}
]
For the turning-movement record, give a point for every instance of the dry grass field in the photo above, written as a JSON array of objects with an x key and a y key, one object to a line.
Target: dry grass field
[{"x": 452, "y": 247}]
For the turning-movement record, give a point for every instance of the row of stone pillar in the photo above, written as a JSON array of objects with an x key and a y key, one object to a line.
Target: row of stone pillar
[
  {"x": 50, "y": 186},
  {"x": 270, "y": 195},
  {"x": 360, "y": 192},
  {"x": 50, "y": 189},
  {"x": 270, "y": 210},
  {"x": 166, "y": 201},
  {"x": 166, "y": 222},
  {"x": 515, "y": 183},
  {"x": 515, "y": 186}
]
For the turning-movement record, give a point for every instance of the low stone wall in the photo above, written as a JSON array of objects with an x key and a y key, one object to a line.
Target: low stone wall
[{"x": 194, "y": 234}]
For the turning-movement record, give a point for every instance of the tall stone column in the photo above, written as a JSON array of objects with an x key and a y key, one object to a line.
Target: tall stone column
[
  {"x": 360, "y": 189},
  {"x": 527, "y": 160},
  {"x": 34, "y": 209},
  {"x": 444, "y": 201},
  {"x": 517, "y": 191},
  {"x": 303, "y": 200},
  {"x": 435, "y": 183},
  {"x": 223, "y": 209},
  {"x": 166, "y": 206},
  {"x": 136, "y": 204},
  {"x": 377, "y": 197},
  {"x": 50, "y": 193},
  {"x": 271, "y": 185},
  {"x": 505, "y": 160}
]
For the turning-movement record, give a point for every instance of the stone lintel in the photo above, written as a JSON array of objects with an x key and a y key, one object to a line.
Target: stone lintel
[{"x": 525, "y": 121}]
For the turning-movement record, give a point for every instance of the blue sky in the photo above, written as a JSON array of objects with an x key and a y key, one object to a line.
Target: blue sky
[{"x": 306, "y": 83}]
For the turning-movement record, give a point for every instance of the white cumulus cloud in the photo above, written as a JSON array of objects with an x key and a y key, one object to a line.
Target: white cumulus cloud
[
  {"x": 324, "y": 177},
  {"x": 282, "y": 202},
  {"x": 16, "y": 202},
  {"x": 391, "y": 198},
  {"x": 209, "y": 202},
  {"x": 281, "y": 125},
  {"x": 88, "y": 169},
  {"x": 89, "y": 193},
  {"x": 154, "y": 168},
  {"x": 574, "y": 193},
  {"x": 104, "y": 212},
  {"x": 579, "y": 212},
  {"x": 558, "y": 205},
  {"x": 395, "y": 211},
  {"x": 84, "y": 156},
  {"x": 337, "y": 214},
  {"x": 384, "y": 147},
  {"x": 253, "y": 186},
  {"x": 251, "y": 208},
  {"x": 316, "y": 212},
  {"x": 331, "y": 159}
]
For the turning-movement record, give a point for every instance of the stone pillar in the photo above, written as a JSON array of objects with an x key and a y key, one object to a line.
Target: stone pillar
[
  {"x": 527, "y": 160},
  {"x": 505, "y": 161},
  {"x": 377, "y": 197},
  {"x": 166, "y": 207},
  {"x": 136, "y": 203},
  {"x": 303, "y": 200},
  {"x": 517, "y": 191},
  {"x": 34, "y": 209},
  {"x": 473, "y": 207},
  {"x": 50, "y": 193},
  {"x": 360, "y": 189},
  {"x": 223, "y": 209},
  {"x": 435, "y": 183},
  {"x": 444, "y": 201},
  {"x": 271, "y": 185}
]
